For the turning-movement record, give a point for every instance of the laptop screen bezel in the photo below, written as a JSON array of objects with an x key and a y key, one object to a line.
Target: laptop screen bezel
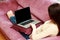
[{"x": 26, "y": 12}]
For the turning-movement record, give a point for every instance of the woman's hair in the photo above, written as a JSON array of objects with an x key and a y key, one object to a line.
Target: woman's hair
[{"x": 54, "y": 13}]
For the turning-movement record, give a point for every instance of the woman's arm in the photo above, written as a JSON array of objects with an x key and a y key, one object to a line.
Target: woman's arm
[
  {"x": 35, "y": 31},
  {"x": 39, "y": 29},
  {"x": 48, "y": 32}
]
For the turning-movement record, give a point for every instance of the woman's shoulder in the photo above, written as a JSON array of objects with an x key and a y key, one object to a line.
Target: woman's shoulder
[
  {"x": 52, "y": 26},
  {"x": 50, "y": 23}
]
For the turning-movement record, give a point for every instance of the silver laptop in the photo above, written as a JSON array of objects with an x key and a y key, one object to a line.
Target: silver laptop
[{"x": 23, "y": 17}]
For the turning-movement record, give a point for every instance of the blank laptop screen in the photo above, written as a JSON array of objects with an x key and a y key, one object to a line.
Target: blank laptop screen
[{"x": 22, "y": 15}]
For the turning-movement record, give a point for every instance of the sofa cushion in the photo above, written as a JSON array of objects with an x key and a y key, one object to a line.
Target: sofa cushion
[
  {"x": 24, "y": 3},
  {"x": 38, "y": 7},
  {"x": 8, "y": 5}
]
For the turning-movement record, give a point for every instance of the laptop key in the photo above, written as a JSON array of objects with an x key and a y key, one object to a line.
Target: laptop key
[{"x": 27, "y": 22}]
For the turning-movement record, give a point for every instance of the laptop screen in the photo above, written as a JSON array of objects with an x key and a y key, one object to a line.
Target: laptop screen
[{"x": 22, "y": 15}]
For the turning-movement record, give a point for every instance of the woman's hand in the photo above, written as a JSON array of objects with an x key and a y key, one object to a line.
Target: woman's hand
[
  {"x": 33, "y": 26},
  {"x": 33, "y": 31},
  {"x": 31, "y": 37}
]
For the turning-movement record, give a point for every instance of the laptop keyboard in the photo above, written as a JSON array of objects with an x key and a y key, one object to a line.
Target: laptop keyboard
[{"x": 27, "y": 22}]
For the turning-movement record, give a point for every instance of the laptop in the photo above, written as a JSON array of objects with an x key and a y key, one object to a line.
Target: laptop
[{"x": 23, "y": 17}]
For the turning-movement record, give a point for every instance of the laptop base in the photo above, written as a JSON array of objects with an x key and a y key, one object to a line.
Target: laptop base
[{"x": 28, "y": 25}]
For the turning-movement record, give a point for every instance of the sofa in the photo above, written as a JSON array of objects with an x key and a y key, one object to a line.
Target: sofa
[{"x": 38, "y": 10}]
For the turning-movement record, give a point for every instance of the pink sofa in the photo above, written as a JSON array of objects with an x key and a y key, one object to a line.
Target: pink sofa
[{"x": 38, "y": 10}]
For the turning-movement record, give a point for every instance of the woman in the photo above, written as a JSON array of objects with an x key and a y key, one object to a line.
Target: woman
[{"x": 50, "y": 27}]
